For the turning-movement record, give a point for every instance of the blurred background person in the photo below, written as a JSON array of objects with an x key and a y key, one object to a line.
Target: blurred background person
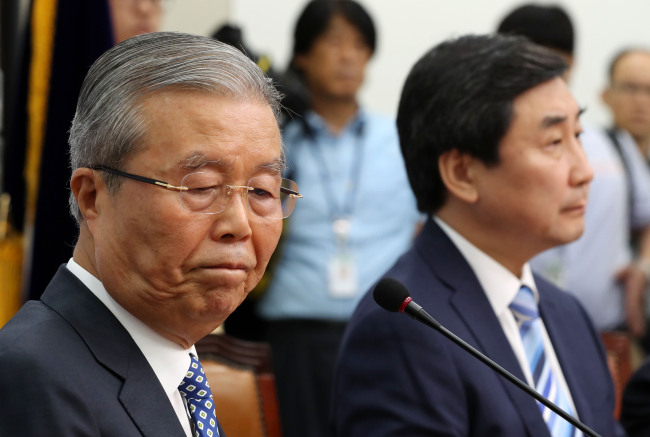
[
  {"x": 65, "y": 38},
  {"x": 135, "y": 17},
  {"x": 628, "y": 98},
  {"x": 601, "y": 267},
  {"x": 233, "y": 35},
  {"x": 547, "y": 25},
  {"x": 628, "y": 95},
  {"x": 359, "y": 213}
]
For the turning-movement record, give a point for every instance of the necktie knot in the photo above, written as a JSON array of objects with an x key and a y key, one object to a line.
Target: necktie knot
[
  {"x": 524, "y": 306},
  {"x": 195, "y": 384}
]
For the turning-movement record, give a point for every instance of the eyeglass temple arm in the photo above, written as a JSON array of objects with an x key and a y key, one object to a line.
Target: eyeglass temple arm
[
  {"x": 136, "y": 177},
  {"x": 291, "y": 193},
  {"x": 163, "y": 184}
]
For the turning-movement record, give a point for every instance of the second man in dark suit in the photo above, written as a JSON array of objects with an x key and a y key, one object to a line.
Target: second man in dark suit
[{"x": 490, "y": 136}]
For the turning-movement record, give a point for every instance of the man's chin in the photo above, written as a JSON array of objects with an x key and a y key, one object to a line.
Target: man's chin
[{"x": 570, "y": 236}]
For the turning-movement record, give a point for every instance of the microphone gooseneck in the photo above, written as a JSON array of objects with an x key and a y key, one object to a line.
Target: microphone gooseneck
[{"x": 393, "y": 296}]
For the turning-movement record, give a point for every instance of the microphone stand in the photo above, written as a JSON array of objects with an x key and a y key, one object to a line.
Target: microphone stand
[{"x": 417, "y": 312}]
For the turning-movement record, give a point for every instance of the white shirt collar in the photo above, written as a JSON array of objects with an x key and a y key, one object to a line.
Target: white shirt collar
[
  {"x": 168, "y": 360},
  {"x": 500, "y": 287},
  {"x": 499, "y": 284}
]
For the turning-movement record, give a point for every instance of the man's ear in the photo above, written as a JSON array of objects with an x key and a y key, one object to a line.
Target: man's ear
[
  {"x": 84, "y": 185},
  {"x": 457, "y": 171}
]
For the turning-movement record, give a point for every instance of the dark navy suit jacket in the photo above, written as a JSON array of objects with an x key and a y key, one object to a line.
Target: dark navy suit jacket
[
  {"x": 397, "y": 377},
  {"x": 69, "y": 368},
  {"x": 635, "y": 411}
]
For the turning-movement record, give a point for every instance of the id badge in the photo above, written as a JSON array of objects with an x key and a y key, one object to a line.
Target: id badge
[{"x": 342, "y": 272}]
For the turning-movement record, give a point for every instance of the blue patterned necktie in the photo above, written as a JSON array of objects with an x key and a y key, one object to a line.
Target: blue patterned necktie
[
  {"x": 196, "y": 391},
  {"x": 524, "y": 308}
]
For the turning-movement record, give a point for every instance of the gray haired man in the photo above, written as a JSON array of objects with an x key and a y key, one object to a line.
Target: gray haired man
[{"x": 177, "y": 187}]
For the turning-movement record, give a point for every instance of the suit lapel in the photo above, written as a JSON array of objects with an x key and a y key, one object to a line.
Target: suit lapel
[
  {"x": 142, "y": 395},
  {"x": 473, "y": 308},
  {"x": 149, "y": 408}
]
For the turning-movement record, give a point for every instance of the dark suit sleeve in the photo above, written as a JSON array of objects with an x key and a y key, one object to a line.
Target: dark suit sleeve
[
  {"x": 635, "y": 412},
  {"x": 42, "y": 400}
]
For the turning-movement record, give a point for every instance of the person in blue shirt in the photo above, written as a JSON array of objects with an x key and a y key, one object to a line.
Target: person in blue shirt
[{"x": 359, "y": 212}]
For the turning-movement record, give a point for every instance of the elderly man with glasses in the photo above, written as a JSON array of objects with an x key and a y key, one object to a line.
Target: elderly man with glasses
[{"x": 109, "y": 350}]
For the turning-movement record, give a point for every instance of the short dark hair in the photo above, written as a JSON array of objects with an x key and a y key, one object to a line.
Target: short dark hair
[
  {"x": 546, "y": 25},
  {"x": 459, "y": 95},
  {"x": 620, "y": 55},
  {"x": 316, "y": 16}
]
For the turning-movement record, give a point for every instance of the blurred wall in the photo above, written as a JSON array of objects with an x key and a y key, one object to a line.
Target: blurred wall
[
  {"x": 407, "y": 28},
  {"x": 195, "y": 16}
]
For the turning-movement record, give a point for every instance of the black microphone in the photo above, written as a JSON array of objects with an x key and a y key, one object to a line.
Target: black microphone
[{"x": 393, "y": 296}]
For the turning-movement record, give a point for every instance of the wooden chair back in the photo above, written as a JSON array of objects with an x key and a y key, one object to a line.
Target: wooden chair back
[
  {"x": 619, "y": 359},
  {"x": 243, "y": 385}
]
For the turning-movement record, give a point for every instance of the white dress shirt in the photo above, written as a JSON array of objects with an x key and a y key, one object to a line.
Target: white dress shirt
[
  {"x": 501, "y": 287},
  {"x": 168, "y": 360}
]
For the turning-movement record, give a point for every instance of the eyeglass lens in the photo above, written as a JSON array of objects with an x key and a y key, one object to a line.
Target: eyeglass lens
[{"x": 210, "y": 192}]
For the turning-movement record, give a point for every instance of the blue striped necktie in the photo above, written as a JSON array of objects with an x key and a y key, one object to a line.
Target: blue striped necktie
[
  {"x": 524, "y": 308},
  {"x": 196, "y": 391}
]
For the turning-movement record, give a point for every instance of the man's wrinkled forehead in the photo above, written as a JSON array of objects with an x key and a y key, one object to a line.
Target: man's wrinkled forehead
[{"x": 197, "y": 160}]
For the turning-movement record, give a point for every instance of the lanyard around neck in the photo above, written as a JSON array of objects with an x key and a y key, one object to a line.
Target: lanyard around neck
[{"x": 337, "y": 211}]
